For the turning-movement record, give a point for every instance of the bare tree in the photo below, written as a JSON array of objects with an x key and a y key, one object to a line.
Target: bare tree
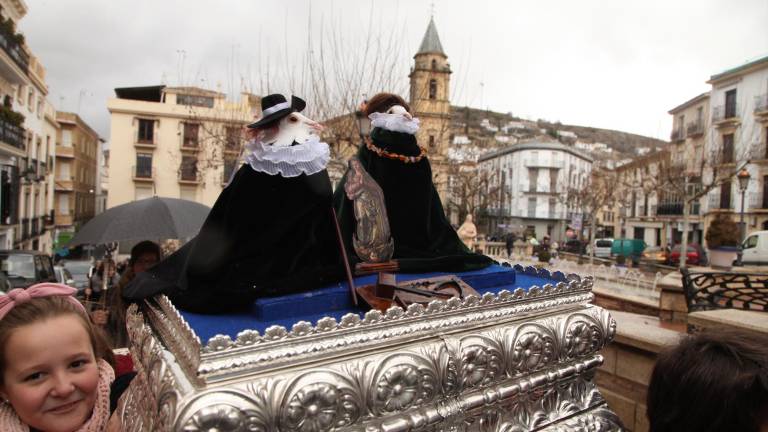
[
  {"x": 599, "y": 191},
  {"x": 471, "y": 189},
  {"x": 702, "y": 170}
]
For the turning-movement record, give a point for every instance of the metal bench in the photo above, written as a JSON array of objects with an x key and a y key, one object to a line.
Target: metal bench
[{"x": 725, "y": 290}]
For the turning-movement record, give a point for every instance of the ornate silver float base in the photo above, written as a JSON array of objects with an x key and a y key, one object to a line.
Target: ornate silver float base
[{"x": 513, "y": 362}]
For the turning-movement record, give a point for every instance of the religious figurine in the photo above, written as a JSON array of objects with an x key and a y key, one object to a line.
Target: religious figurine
[
  {"x": 424, "y": 240},
  {"x": 468, "y": 232},
  {"x": 371, "y": 240},
  {"x": 271, "y": 230}
]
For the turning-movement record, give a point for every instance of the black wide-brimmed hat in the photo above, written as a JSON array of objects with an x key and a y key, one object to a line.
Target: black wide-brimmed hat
[{"x": 275, "y": 106}]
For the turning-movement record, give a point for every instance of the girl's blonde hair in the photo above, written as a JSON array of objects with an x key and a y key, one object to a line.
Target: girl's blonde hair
[{"x": 43, "y": 308}]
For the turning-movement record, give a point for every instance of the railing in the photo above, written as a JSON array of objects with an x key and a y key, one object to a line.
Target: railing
[
  {"x": 708, "y": 291},
  {"x": 757, "y": 201},
  {"x": 725, "y": 112},
  {"x": 677, "y": 135},
  {"x": 12, "y": 135},
  {"x": 143, "y": 173},
  {"x": 761, "y": 103},
  {"x": 694, "y": 128},
  {"x": 715, "y": 202},
  {"x": 539, "y": 163},
  {"x": 676, "y": 209},
  {"x": 15, "y": 51},
  {"x": 191, "y": 176},
  {"x": 189, "y": 143}
]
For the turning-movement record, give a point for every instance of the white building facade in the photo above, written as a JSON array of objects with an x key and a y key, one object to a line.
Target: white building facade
[{"x": 531, "y": 181}]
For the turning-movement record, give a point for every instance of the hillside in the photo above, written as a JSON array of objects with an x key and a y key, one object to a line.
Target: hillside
[{"x": 488, "y": 129}]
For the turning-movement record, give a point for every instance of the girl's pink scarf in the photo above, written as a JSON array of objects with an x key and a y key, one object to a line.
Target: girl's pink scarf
[{"x": 10, "y": 422}]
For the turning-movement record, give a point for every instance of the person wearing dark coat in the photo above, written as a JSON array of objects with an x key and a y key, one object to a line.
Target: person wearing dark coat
[
  {"x": 271, "y": 231},
  {"x": 424, "y": 239}
]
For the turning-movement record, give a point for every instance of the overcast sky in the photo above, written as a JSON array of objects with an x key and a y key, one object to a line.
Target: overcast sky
[{"x": 610, "y": 64}]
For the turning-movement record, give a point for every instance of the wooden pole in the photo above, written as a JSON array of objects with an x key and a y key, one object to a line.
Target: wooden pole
[{"x": 350, "y": 280}]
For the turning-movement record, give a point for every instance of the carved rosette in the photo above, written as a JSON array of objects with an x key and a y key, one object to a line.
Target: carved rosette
[
  {"x": 320, "y": 401},
  {"x": 403, "y": 381},
  {"x": 533, "y": 346},
  {"x": 583, "y": 335},
  {"x": 481, "y": 361}
]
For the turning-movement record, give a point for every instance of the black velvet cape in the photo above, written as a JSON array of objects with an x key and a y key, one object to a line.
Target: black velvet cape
[
  {"x": 266, "y": 235},
  {"x": 424, "y": 239}
]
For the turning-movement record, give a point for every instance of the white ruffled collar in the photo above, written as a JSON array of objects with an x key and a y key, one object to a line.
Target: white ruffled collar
[
  {"x": 308, "y": 158},
  {"x": 394, "y": 122}
]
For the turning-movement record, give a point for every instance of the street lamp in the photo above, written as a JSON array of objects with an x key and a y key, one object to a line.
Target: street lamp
[{"x": 743, "y": 177}]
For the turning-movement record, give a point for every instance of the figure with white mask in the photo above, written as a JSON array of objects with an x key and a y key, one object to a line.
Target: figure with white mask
[
  {"x": 424, "y": 239},
  {"x": 270, "y": 232}
]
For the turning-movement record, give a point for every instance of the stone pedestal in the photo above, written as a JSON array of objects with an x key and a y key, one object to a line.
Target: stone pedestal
[{"x": 623, "y": 378}]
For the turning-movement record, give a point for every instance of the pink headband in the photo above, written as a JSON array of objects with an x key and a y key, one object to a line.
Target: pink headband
[{"x": 20, "y": 295}]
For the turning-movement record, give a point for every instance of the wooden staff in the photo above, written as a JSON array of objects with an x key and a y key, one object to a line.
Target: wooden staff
[{"x": 350, "y": 280}]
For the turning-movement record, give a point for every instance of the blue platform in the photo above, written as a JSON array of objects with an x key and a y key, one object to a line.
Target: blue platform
[{"x": 335, "y": 301}]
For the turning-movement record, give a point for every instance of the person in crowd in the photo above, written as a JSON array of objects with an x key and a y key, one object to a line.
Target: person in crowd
[
  {"x": 56, "y": 370},
  {"x": 94, "y": 291},
  {"x": 143, "y": 256},
  {"x": 712, "y": 381},
  {"x": 509, "y": 242}
]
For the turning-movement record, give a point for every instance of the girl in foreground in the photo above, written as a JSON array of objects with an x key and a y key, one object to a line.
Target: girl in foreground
[{"x": 55, "y": 371}]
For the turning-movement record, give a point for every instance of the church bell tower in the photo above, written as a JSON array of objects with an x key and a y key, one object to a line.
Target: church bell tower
[{"x": 430, "y": 101}]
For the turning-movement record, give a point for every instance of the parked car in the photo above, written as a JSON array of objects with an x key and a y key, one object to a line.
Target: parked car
[
  {"x": 64, "y": 276},
  {"x": 755, "y": 249},
  {"x": 23, "y": 268},
  {"x": 574, "y": 246},
  {"x": 81, "y": 272},
  {"x": 694, "y": 256},
  {"x": 655, "y": 255},
  {"x": 603, "y": 247}
]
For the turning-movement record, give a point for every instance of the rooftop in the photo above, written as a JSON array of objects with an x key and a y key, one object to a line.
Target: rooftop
[
  {"x": 431, "y": 42},
  {"x": 758, "y": 63},
  {"x": 700, "y": 98},
  {"x": 535, "y": 145}
]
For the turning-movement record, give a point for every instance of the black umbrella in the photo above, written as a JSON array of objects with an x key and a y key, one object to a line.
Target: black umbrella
[{"x": 148, "y": 219}]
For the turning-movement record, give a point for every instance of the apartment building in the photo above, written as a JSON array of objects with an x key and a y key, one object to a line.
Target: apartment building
[
  {"x": 690, "y": 127},
  {"x": 534, "y": 178},
  {"x": 739, "y": 135},
  {"x": 14, "y": 66},
  {"x": 179, "y": 142},
  {"x": 77, "y": 147},
  {"x": 639, "y": 199}
]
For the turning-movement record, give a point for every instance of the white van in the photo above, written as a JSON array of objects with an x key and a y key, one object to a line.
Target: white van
[
  {"x": 755, "y": 249},
  {"x": 603, "y": 247}
]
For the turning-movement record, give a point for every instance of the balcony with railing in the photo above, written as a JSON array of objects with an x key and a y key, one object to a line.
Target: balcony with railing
[
  {"x": 189, "y": 176},
  {"x": 725, "y": 115},
  {"x": 12, "y": 44},
  {"x": 758, "y": 201},
  {"x": 761, "y": 105},
  {"x": 715, "y": 202},
  {"x": 694, "y": 129},
  {"x": 677, "y": 135},
  {"x": 676, "y": 209},
  {"x": 543, "y": 163},
  {"x": 12, "y": 134},
  {"x": 143, "y": 174}
]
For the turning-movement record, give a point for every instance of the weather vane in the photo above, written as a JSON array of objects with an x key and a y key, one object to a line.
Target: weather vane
[{"x": 432, "y": 9}]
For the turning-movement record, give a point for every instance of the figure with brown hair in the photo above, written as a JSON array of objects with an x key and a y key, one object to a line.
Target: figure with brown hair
[
  {"x": 710, "y": 382},
  {"x": 424, "y": 239}
]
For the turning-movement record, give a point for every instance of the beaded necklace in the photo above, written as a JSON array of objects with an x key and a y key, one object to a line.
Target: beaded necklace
[{"x": 383, "y": 153}]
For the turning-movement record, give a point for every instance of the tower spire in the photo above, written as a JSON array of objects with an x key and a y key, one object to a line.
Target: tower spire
[{"x": 431, "y": 41}]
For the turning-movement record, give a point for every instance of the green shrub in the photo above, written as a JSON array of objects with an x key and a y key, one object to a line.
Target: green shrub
[{"x": 723, "y": 231}]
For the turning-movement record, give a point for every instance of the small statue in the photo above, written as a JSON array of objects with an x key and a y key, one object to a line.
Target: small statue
[
  {"x": 372, "y": 240},
  {"x": 468, "y": 232}
]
